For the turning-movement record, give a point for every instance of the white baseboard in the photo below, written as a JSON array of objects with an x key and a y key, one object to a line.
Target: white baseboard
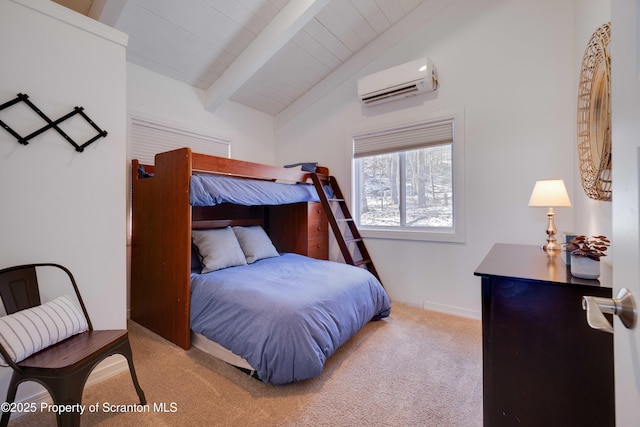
[
  {"x": 109, "y": 367},
  {"x": 449, "y": 309}
]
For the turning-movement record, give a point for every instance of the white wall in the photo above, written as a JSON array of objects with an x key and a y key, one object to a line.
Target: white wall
[
  {"x": 510, "y": 66},
  {"x": 592, "y": 217},
  {"x": 59, "y": 205},
  {"x": 157, "y": 96}
]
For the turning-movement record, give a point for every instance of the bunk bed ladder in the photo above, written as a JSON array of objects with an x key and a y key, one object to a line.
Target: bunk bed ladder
[{"x": 348, "y": 237}]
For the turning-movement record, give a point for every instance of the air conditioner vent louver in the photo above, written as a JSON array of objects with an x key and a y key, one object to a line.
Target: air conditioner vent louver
[
  {"x": 405, "y": 80},
  {"x": 392, "y": 93}
]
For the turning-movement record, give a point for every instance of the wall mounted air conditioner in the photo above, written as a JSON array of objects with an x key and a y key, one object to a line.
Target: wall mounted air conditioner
[{"x": 398, "y": 82}]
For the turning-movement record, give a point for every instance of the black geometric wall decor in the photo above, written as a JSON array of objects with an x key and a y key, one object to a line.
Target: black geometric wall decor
[{"x": 51, "y": 124}]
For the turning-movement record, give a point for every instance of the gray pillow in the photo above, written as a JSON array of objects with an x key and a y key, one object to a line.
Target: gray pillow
[
  {"x": 218, "y": 248},
  {"x": 255, "y": 243}
]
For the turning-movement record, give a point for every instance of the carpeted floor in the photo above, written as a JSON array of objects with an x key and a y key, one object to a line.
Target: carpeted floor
[{"x": 416, "y": 368}]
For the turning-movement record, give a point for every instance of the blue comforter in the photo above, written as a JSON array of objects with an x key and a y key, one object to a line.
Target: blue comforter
[
  {"x": 211, "y": 190},
  {"x": 285, "y": 315}
]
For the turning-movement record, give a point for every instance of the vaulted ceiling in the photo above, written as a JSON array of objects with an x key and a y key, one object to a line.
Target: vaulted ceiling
[{"x": 265, "y": 54}]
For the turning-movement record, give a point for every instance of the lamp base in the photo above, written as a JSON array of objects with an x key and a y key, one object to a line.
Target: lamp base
[{"x": 551, "y": 246}]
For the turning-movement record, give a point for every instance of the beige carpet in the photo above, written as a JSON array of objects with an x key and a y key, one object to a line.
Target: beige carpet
[{"x": 416, "y": 368}]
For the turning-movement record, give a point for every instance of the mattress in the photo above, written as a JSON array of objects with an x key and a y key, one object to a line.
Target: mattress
[
  {"x": 287, "y": 314},
  {"x": 211, "y": 190}
]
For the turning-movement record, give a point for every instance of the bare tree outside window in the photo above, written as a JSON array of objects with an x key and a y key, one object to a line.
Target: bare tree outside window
[{"x": 407, "y": 188}]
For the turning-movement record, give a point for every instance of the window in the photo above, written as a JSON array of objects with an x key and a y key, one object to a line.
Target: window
[
  {"x": 149, "y": 137},
  {"x": 408, "y": 181}
]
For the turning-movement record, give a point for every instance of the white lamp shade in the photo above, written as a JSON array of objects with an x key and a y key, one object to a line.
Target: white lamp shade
[{"x": 550, "y": 193}]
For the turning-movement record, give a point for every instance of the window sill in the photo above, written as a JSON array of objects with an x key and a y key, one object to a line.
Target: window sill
[{"x": 427, "y": 236}]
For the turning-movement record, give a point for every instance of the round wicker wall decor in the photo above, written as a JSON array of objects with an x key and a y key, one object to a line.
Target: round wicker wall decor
[{"x": 594, "y": 116}]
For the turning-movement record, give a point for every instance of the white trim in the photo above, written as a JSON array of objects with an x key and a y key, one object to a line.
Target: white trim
[
  {"x": 406, "y": 234},
  {"x": 450, "y": 309},
  {"x": 458, "y": 234},
  {"x": 68, "y": 16}
]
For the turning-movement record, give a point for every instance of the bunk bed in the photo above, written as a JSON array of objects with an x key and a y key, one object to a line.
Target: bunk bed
[{"x": 291, "y": 292}]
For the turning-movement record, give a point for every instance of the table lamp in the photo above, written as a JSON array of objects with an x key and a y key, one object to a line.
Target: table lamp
[{"x": 550, "y": 193}]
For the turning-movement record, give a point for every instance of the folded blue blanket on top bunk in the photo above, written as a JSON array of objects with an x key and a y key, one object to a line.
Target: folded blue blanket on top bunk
[
  {"x": 210, "y": 190},
  {"x": 285, "y": 315}
]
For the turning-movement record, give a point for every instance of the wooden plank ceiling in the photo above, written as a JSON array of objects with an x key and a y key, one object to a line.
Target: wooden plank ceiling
[{"x": 264, "y": 54}]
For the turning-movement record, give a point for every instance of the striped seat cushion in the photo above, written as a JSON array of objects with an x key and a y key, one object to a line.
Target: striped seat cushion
[{"x": 28, "y": 331}]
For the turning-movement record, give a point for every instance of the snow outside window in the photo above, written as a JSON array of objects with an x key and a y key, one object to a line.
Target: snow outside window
[{"x": 406, "y": 182}]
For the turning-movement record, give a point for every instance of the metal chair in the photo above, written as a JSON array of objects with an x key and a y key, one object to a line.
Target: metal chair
[{"x": 62, "y": 368}]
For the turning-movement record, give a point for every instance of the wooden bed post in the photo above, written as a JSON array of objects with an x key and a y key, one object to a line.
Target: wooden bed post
[{"x": 161, "y": 247}]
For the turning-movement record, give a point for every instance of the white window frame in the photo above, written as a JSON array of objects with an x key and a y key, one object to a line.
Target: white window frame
[{"x": 456, "y": 234}]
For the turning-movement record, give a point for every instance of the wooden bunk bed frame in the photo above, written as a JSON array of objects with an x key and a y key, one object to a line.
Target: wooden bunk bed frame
[{"x": 162, "y": 220}]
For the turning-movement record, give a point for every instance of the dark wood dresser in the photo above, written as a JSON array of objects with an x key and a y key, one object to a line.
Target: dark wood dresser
[
  {"x": 542, "y": 363},
  {"x": 301, "y": 228}
]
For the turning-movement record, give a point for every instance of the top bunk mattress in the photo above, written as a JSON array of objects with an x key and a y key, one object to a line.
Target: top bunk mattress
[{"x": 211, "y": 190}]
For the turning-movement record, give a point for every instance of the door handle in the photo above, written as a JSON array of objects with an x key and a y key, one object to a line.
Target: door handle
[{"x": 623, "y": 306}]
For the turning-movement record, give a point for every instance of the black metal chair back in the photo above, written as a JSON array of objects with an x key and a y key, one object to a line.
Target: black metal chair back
[{"x": 64, "y": 378}]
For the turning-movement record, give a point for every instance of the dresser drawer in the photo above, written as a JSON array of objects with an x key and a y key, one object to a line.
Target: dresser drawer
[
  {"x": 318, "y": 248},
  {"x": 317, "y": 232},
  {"x": 317, "y": 229},
  {"x": 315, "y": 212}
]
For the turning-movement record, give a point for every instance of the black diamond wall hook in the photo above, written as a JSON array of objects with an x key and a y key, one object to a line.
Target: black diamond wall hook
[{"x": 51, "y": 124}]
